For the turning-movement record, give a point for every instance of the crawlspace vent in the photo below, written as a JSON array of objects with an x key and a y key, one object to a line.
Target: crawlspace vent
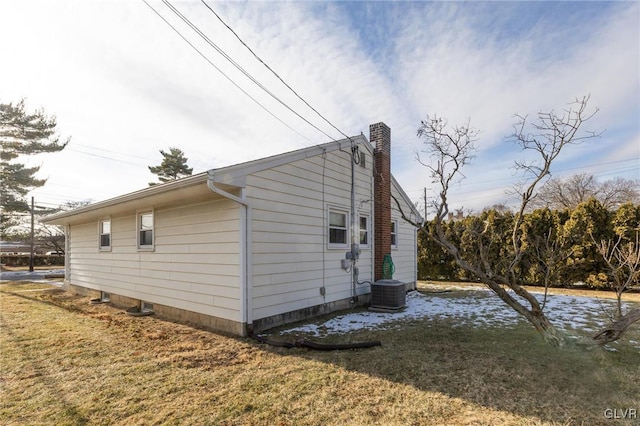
[{"x": 388, "y": 294}]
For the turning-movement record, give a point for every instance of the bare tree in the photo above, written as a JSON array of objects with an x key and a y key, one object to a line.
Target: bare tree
[
  {"x": 623, "y": 264},
  {"x": 567, "y": 193},
  {"x": 449, "y": 151},
  {"x": 615, "y": 192},
  {"x": 52, "y": 237},
  {"x": 551, "y": 258}
]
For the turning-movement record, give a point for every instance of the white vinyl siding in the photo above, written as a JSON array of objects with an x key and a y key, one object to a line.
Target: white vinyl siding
[
  {"x": 197, "y": 256},
  {"x": 195, "y": 264},
  {"x": 290, "y": 233},
  {"x": 404, "y": 255}
]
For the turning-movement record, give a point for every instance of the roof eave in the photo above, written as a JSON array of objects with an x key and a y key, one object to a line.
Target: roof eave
[
  {"x": 62, "y": 217},
  {"x": 237, "y": 173}
]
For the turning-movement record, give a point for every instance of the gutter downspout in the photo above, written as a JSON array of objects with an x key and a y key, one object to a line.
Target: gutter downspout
[
  {"x": 67, "y": 256},
  {"x": 245, "y": 221}
]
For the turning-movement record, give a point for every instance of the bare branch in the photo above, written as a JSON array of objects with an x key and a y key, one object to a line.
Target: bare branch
[
  {"x": 449, "y": 150},
  {"x": 553, "y": 133},
  {"x": 404, "y": 216},
  {"x": 617, "y": 328}
]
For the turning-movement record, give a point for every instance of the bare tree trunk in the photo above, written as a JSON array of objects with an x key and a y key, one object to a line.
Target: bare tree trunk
[
  {"x": 547, "y": 330},
  {"x": 450, "y": 150},
  {"x": 617, "y": 328},
  {"x": 534, "y": 314}
]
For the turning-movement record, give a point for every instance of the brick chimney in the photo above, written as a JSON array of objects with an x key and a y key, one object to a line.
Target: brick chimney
[{"x": 380, "y": 137}]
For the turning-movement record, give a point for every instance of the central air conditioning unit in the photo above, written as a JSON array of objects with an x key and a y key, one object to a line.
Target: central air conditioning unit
[{"x": 388, "y": 295}]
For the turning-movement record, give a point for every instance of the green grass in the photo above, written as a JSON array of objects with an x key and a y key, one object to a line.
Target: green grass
[{"x": 65, "y": 361}]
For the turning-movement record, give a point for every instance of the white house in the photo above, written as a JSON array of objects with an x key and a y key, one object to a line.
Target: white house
[{"x": 251, "y": 246}]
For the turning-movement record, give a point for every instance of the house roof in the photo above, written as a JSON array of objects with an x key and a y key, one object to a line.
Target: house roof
[
  {"x": 236, "y": 174},
  {"x": 231, "y": 179}
]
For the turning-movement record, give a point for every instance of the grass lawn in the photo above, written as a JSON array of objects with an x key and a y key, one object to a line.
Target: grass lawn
[{"x": 65, "y": 361}]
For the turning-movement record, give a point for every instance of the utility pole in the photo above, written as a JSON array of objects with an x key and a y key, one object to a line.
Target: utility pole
[
  {"x": 425, "y": 203},
  {"x": 32, "y": 238}
]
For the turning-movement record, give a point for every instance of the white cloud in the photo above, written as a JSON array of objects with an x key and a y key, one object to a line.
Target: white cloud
[{"x": 119, "y": 79}]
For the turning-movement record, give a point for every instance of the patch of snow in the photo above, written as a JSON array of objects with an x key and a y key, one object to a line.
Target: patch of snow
[
  {"x": 471, "y": 306},
  {"x": 36, "y": 276},
  {"x": 55, "y": 283}
]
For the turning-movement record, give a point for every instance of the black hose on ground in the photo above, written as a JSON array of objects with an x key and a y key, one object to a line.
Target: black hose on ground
[
  {"x": 338, "y": 346},
  {"x": 318, "y": 346},
  {"x": 273, "y": 342}
]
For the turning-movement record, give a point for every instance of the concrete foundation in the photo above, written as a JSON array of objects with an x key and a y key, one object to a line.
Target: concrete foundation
[
  {"x": 307, "y": 313},
  {"x": 224, "y": 325},
  {"x": 175, "y": 314}
]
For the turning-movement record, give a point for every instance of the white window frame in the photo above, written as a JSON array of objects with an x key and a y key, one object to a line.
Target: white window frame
[
  {"x": 394, "y": 232},
  {"x": 100, "y": 234},
  {"x": 367, "y": 230},
  {"x": 342, "y": 211},
  {"x": 139, "y": 230}
]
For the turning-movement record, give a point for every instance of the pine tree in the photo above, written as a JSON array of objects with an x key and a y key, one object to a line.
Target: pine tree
[
  {"x": 22, "y": 133},
  {"x": 174, "y": 166}
]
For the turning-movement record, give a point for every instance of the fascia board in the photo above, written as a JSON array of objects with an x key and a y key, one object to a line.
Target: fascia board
[
  {"x": 234, "y": 176},
  {"x": 61, "y": 218}
]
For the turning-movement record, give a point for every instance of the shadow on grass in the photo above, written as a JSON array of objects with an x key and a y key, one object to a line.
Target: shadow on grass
[
  {"x": 37, "y": 370},
  {"x": 510, "y": 369}
]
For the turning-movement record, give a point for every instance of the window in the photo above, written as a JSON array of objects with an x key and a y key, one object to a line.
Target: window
[
  {"x": 145, "y": 230},
  {"x": 337, "y": 228},
  {"x": 364, "y": 231},
  {"x": 105, "y": 234},
  {"x": 394, "y": 234}
]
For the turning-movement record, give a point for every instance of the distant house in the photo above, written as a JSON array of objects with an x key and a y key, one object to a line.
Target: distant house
[
  {"x": 13, "y": 247},
  {"x": 250, "y": 246}
]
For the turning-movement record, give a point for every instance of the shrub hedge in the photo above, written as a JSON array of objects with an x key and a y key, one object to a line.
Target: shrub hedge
[{"x": 38, "y": 260}]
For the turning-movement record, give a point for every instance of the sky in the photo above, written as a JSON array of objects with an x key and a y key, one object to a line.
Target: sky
[{"x": 123, "y": 84}]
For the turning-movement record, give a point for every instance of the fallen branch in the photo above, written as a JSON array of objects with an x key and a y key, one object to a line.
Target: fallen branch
[{"x": 617, "y": 328}]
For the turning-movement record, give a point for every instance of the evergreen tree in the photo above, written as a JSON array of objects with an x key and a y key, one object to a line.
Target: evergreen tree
[
  {"x": 174, "y": 166},
  {"x": 22, "y": 133}
]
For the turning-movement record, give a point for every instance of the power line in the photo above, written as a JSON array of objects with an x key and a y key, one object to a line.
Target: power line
[
  {"x": 225, "y": 75},
  {"x": 103, "y": 157},
  {"x": 272, "y": 71},
  {"x": 238, "y": 66},
  {"x": 503, "y": 190},
  {"x": 512, "y": 179},
  {"x": 110, "y": 151}
]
